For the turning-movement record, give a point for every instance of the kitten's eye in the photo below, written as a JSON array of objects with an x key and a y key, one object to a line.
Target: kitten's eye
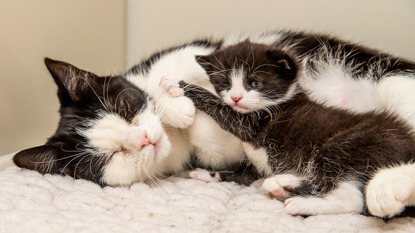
[
  {"x": 255, "y": 84},
  {"x": 224, "y": 84}
]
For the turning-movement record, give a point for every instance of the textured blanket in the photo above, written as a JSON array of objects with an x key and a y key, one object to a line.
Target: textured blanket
[{"x": 31, "y": 202}]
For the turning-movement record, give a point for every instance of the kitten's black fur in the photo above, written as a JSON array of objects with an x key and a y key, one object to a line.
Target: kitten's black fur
[
  {"x": 82, "y": 96},
  {"x": 325, "y": 145},
  {"x": 256, "y": 59},
  {"x": 318, "y": 47}
]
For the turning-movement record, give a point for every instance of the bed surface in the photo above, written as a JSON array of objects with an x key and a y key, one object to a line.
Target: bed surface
[{"x": 31, "y": 202}]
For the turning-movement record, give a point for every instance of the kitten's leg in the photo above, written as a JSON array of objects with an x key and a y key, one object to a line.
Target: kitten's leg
[
  {"x": 176, "y": 110},
  {"x": 390, "y": 190},
  {"x": 204, "y": 175},
  {"x": 282, "y": 186},
  {"x": 346, "y": 198}
]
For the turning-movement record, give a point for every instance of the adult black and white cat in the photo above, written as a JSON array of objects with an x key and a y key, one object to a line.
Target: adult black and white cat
[
  {"x": 114, "y": 132},
  {"x": 323, "y": 154}
]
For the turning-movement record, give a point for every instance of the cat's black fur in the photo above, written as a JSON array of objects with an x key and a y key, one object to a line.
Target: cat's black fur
[
  {"x": 312, "y": 47},
  {"x": 144, "y": 66},
  {"x": 325, "y": 145},
  {"x": 82, "y": 95}
]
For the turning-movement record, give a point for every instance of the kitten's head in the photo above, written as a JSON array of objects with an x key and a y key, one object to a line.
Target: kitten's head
[
  {"x": 251, "y": 76},
  {"x": 108, "y": 132}
]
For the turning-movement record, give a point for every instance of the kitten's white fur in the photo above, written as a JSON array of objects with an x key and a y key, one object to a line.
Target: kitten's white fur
[
  {"x": 347, "y": 198},
  {"x": 258, "y": 157},
  {"x": 276, "y": 184}
]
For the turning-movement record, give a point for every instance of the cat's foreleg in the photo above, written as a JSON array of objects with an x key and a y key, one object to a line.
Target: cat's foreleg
[
  {"x": 346, "y": 198},
  {"x": 390, "y": 190}
]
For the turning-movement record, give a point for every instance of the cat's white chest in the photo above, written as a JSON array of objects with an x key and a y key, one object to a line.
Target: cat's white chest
[{"x": 213, "y": 146}]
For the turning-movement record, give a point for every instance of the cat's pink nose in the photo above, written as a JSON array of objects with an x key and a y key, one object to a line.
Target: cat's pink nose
[
  {"x": 138, "y": 139},
  {"x": 236, "y": 99}
]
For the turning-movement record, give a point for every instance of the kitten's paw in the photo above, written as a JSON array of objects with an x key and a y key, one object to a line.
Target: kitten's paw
[
  {"x": 388, "y": 192},
  {"x": 301, "y": 206},
  {"x": 281, "y": 186},
  {"x": 204, "y": 175},
  {"x": 171, "y": 86}
]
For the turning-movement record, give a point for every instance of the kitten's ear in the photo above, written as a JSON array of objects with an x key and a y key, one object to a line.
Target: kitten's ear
[
  {"x": 72, "y": 79},
  {"x": 282, "y": 60},
  {"x": 41, "y": 158},
  {"x": 204, "y": 61}
]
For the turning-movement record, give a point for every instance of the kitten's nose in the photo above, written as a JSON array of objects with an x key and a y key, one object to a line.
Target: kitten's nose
[
  {"x": 138, "y": 139},
  {"x": 236, "y": 99}
]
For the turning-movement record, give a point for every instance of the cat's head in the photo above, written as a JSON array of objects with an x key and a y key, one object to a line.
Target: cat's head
[
  {"x": 250, "y": 76},
  {"x": 108, "y": 131}
]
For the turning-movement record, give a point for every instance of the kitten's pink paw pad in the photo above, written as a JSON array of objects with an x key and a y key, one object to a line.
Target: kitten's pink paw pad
[
  {"x": 204, "y": 175},
  {"x": 281, "y": 186},
  {"x": 172, "y": 86}
]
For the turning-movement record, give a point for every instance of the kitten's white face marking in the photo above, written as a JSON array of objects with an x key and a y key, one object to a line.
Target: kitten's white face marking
[
  {"x": 239, "y": 98},
  {"x": 134, "y": 149}
]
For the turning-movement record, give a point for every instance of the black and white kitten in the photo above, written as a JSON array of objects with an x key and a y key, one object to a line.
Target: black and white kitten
[{"x": 323, "y": 156}]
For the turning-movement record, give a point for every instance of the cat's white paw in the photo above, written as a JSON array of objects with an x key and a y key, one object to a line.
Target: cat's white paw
[
  {"x": 179, "y": 112},
  {"x": 302, "y": 206},
  {"x": 388, "y": 192},
  {"x": 204, "y": 175},
  {"x": 171, "y": 86},
  {"x": 281, "y": 186}
]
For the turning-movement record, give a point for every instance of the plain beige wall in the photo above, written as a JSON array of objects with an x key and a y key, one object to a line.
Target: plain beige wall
[
  {"x": 385, "y": 24},
  {"x": 87, "y": 33},
  {"x": 91, "y": 34}
]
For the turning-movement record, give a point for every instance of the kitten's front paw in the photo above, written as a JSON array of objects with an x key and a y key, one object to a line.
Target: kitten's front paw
[
  {"x": 389, "y": 192},
  {"x": 301, "y": 206},
  {"x": 281, "y": 186},
  {"x": 171, "y": 86},
  {"x": 204, "y": 175}
]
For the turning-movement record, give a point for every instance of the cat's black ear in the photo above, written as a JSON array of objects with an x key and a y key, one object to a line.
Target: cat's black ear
[
  {"x": 72, "y": 79},
  {"x": 282, "y": 60},
  {"x": 41, "y": 158},
  {"x": 204, "y": 61}
]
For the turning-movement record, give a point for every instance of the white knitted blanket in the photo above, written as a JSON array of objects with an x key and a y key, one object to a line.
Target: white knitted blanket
[{"x": 31, "y": 202}]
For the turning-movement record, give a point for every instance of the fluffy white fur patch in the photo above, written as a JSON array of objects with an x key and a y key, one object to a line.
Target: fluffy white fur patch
[
  {"x": 390, "y": 190},
  {"x": 347, "y": 198}
]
